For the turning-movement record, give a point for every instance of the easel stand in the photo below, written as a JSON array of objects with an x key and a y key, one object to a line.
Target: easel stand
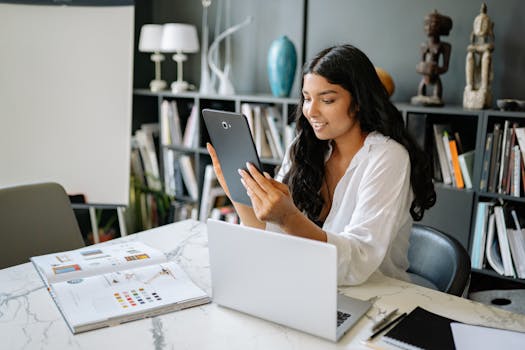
[{"x": 93, "y": 217}]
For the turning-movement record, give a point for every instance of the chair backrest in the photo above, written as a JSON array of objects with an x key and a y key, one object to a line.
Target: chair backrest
[
  {"x": 440, "y": 259},
  {"x": 36, "y": 219}
]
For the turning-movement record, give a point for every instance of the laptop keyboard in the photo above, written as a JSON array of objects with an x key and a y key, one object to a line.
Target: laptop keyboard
[{"x": 341, "y": 317}]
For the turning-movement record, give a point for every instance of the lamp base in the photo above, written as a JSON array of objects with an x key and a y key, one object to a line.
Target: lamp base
[
  {"x": 157, "y": 85},
  {"x": 179, "y": 86}
]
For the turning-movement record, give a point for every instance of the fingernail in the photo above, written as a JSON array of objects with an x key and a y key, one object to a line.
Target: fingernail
[
  {"x": 248, "y": 165},
  {"x": 239, "y": 171},
  {"x": 266, "y": 175}
]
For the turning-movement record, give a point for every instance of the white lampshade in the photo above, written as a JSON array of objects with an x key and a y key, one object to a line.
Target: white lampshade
[
  {"x": 150, "y": 38},
  {"x": 178, "y": 37}
]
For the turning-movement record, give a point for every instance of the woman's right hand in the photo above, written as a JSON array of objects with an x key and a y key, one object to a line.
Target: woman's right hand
[{"x": 217, "y": 168}]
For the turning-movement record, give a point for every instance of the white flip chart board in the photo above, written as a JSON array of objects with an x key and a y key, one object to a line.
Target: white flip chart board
[{"x": 66, "y": 95}]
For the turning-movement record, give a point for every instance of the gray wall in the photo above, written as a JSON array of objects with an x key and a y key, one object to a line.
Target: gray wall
[
  {"x": 271, "y": 19},
  {"x": 388, "y": 31}
]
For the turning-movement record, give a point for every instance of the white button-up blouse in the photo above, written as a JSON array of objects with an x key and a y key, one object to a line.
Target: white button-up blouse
[{"x": 369, "y": 221}]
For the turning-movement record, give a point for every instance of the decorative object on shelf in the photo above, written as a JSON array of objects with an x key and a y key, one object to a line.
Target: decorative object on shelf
[
  {"x": 508, "y": 104},
  {"x": 179, "y": 38},
  {"x": 225, "y": 85},
  {"x": 432, "y": 51},
  {"x": 386, "y": 80},
  {"x": 206, "y": 87},
  {"x": 224, "y": 9},
  {"x": 282, "y": 61},
  {"x": 149, "y": 41},
  {"x": 478, "y": 67}
]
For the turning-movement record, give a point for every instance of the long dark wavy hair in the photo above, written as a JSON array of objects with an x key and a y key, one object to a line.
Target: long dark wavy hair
[{"x": 347, "y": 66}]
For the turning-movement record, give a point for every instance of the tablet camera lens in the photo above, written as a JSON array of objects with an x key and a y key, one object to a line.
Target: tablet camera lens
[{"x": 225, "y": 125}]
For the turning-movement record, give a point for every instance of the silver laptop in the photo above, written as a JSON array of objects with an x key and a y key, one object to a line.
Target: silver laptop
[{"x": 281, "y": 278}]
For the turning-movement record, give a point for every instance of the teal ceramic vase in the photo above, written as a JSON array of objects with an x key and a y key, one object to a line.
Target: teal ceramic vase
[{"x": 282, "y": 61}]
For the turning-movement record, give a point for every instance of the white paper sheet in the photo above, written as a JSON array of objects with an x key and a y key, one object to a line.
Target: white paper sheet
[{"x": 469, "y": 337}]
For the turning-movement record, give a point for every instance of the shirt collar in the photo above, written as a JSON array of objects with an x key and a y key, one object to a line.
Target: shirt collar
[{"x": 372, "y": 138}]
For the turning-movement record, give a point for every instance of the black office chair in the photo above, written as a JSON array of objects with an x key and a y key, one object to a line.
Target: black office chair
[
  {"x": 438, "y": 261},
  {"x": 36, "y": 219}
]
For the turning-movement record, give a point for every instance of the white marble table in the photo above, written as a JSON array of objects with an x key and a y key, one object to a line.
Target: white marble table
[{"x": 29, "y": 318}]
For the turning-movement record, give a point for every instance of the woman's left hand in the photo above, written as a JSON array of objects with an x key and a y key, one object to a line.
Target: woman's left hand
[{"x": 271, "y": 200}]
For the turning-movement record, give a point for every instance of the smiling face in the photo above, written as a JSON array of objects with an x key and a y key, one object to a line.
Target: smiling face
[{"x": 327, "y": 108}]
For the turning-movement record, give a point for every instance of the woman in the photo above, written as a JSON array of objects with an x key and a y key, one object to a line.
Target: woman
[{"x": 353, "y": 177}]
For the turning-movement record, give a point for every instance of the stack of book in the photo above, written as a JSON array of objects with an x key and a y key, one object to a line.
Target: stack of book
[
  {"x": 179, "y": 171},
  {"x": 503, "y": 169},
  {"x": 499, "y": 240},
  {"x": 455, "y": 165}
]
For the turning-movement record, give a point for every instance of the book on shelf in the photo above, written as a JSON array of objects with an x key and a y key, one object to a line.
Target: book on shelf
[
  {"x": 137, "y": 168},
  {"x": 455, "y": 164},
  {"x": 506, "y": 185},
  {"x": 520, "y": 140},
  {"x": 451, "y": 161},
  {"x": 439, "y": 130},
  {"x": 247, "y": 111},
  {"x": 146, "y": 144},
  {"x": 116, "y": 283},
  {"x": 480, "y": 234},
  {"x": 261, "y": 141},
  {"x": 421, "y": 329},
  {"x": 466, "y": 164},
  {"x": 504, "y": 158},
  {"x": 188, "y": 175},
  {"x": 174, "y": 123},
  {"x": 501, "y": 229},
  {"x": 168, "y": 155},
  {"x": 487, "y": 152},
  {"x": 211, "y": 190},
  {"x": 190, "y": 137},
  {"x": 512, "y": 186},
  {"x": 495, "y": 158},
  {"x": 517, "y": 249},
  {"x": 492, "y": 250},
  {"x": 273, "y": 117}
]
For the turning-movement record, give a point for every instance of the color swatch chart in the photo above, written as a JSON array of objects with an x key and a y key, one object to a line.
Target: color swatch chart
[{"x": 135, "y": 297}]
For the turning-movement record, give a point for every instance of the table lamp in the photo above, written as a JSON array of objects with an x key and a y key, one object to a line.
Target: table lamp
[
  {"x": 149, "y": 41},
  {"x": 179, "y": 38}
]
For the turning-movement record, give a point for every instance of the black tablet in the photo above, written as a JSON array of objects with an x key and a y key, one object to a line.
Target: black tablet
[{"x": 231, "y": 137}]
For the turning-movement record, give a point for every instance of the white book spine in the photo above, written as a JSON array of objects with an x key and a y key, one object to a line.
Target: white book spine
[
  {"x": 516, "y": 178},
  {"x": 503, "y": 242},
  {"x": 503, "y": 156},
  {"x": 446, "y": 146},
  {"x": 465, "y": 171},
  {"x": 492, "y": 255},
  {"x": 442, "y": 157}
]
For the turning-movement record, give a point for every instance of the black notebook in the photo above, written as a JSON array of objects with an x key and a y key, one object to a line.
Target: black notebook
[{"x": 422, "y": 329}]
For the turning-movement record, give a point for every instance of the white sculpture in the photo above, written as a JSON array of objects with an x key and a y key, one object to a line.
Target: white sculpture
[
  {"x": 225, "y": 84},
  {"x": 206, "y": 86}
]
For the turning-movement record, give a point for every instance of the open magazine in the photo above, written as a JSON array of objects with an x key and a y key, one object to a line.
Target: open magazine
[{"x": 100, "y": 286}]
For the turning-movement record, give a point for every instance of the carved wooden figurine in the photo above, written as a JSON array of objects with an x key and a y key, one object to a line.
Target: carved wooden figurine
[
  {"x": 435, "y": 57},
  {"x": 478, "y": 67}
]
